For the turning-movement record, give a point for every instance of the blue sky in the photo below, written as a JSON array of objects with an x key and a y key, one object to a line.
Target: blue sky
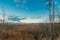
[
  {"x": 26, "y": 8},
  {"x": 30, "y": 8}
]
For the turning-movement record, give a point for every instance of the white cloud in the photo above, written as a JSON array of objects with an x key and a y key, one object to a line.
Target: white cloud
[
  {"x": 47, "y": 2},
  {"x": 28, "y": 20},
  {"x": 57, "y": 20},
  {"x": 1, "y": 17},
  {"x": 10, "y": 21},
  {"x": 24, "y": 1},
  {"x": 17, "y": 5},
  {"x": 6, "y": 19},
  {"x": 32, "y": 20},
  {"x": 16, "y": 1}
]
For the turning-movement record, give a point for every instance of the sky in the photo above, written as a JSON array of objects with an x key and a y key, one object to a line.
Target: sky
[{"x": 26, "y": 11}]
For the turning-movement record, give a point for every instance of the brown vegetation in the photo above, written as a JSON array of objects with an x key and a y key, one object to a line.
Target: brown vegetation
[{"x": 26, "y": 32}]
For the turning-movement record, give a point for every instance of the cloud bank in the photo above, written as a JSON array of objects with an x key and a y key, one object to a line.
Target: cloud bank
[{"x": 18, "y": 19}]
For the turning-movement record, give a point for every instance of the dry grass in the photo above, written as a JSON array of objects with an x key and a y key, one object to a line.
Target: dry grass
[{"x": 25, "y": 32}]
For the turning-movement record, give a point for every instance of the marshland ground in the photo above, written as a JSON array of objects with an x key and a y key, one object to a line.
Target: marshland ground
[{"x": 38, "y": 31}]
